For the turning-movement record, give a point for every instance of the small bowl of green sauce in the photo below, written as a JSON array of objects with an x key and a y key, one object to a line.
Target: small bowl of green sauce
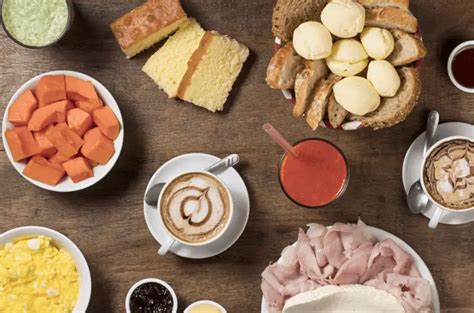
[{"x": 37, "y": 24}]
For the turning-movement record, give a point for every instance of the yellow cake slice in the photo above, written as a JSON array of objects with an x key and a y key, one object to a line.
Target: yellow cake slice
[
  {"x": 212, "y": 71},
  {"x": 147, "y": 24},
  {"x": 169, "y": 64}
]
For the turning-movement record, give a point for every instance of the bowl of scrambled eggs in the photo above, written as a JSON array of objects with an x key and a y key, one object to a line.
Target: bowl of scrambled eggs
[{"x": 41, "y": 270}]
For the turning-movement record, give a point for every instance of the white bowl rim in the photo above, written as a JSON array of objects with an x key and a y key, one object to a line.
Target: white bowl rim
[
  {"x": 453, "y": 54},
  {"x": 118, "y": 142},
  {"x": 85, "y": 287},
  {"x": 220, "y": 307},
  {"x": 151, "y": 280}
]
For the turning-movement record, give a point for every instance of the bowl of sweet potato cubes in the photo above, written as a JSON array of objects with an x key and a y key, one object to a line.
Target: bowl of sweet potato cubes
[{"x": 63, "y": 131}]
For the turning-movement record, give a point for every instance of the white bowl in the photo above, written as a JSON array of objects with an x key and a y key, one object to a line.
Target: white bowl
[
  {"x": 61, "y": 241},
  {"x": 67, "y": 185},
  {"x": 151, "y": 280},
  {"x": 463, "y": 46},
  {"x": 220, "y": 307}
]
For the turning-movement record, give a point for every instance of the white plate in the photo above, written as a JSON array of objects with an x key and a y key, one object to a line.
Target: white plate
[
  {"x": 61, "y": 241},
  {"x": 420, "y": 265},
  {"x": 412, "y": 165},
  {"x": 240, "y": 196},
  {"x": 67, "y": 185}
]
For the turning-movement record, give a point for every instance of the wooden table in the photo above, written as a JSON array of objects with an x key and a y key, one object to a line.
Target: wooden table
[{"x": 106, "y": 221}]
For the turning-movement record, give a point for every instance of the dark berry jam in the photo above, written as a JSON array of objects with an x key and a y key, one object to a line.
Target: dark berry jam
[{"x": 151, "y": 298}]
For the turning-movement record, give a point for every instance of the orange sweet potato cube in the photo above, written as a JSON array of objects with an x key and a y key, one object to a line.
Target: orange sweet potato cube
[
  {"x": 46, "y": 147},
  {"x": 21, "y": 142},
  {"x": 89, "y": 105},
  {"x": 79, "y": 121},
  {"x": 58, "y": 158},
  {"x": 65, "y": 140},
  {"x": 38, "y": 168},
  {"x": 21, "y": 110},
  {"x": 107, "y": 122},
  {"x": 78, "y": 169},
  {"x": 51, "y": 88},
  {"x": 79, "y": 89},
  {"x": 97, "y": 147},
  {"x": 47, "y": 115}
]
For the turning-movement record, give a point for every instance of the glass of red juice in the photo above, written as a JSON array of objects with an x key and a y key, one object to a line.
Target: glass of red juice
[{"x": 317, "y": 176}]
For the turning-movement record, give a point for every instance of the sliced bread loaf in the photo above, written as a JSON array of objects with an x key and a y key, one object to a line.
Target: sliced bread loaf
[
  {"x": 318, "y": 107},
  {"x": 289, "y": 14},
  {"x": 395, "y": 109},
  {"x": 305, "y": 82},
  {"x": 336, "y": 113},
  {"x": 401, "y": 4},
  {"x": 283, "y": 67},
  {"x": 391, "y": 18},
  {"x": 408, "y": 48}
]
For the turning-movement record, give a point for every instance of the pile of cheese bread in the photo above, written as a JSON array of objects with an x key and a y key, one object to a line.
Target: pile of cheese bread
[{"x": 347, "y": 60}]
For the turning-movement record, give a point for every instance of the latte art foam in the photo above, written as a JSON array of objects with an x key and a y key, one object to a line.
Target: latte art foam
[{"x": 195, "y": 207}]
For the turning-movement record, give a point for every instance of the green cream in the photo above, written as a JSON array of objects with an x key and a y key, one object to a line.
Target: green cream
[{"x": 35, "y": 22}]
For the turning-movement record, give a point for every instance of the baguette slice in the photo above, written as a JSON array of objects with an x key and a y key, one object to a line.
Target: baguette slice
[
  {"x": 336, "y": 113},
  {"x": 408, "y": 48},
  {"x": 401, "y": 4},
  {"x": 289, "y": 14},
  {"x": 395, "y": 109},
  {"x": 305, "y": 82},
  {"x": 283, "y": 67},
  {"x": 391, "y": 18},
  {"x": 319, "y": 105}
]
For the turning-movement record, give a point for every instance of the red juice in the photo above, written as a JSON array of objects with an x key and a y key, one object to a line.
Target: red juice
[
  {"x": 463, "y": 67},
  {"x": 318, "y": 176}
]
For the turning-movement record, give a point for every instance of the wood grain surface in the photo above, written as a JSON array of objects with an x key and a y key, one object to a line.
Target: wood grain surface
[{"x": 106, "y": 221}]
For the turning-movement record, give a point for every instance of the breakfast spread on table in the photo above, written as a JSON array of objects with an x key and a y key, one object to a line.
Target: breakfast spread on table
[
  {"x": 347, "y": 60},
  {"x": 37, "y": 276},
  {"x": 340, "y": 61}
]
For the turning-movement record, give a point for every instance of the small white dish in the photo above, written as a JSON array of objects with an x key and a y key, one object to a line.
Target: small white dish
[
  {"x": 412, "y": 167},
  {"x": 61, "y": 241},
  {"x": 100, "y": 171},
  {"x": 193, "y": 305},
  {"x": 463, "y": 46},
  {"x": 151, "y": 280},
  {"x": 381, "y": 234},
  {"x": 238, "y": 190}
]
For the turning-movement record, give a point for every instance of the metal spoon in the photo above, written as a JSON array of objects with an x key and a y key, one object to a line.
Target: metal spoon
[
  {"x": 417, "y": 199},
  {"x": 151, "y": 197}
]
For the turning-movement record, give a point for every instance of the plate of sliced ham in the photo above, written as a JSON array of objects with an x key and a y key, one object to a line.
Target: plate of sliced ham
[{"x": 349, "y": 254}]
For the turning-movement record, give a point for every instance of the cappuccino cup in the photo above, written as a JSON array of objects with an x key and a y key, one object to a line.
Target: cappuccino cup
[{"x": 195, "y": 208}]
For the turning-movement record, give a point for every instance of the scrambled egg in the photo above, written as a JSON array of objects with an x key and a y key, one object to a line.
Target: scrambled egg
[{"x": 36, "y": 276}]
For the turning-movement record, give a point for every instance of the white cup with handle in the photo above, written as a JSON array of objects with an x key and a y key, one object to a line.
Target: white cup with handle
[
  {"x": 171, "y": 238},
  {"x": 439, "y": 208}
]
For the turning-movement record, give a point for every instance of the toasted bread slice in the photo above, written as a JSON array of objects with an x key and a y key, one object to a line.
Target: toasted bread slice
[
  {"x": 318, "y": 107},
  {"x": 289, "y": 14},
  {"x": 391, "y": 18},
  {"x": 401, "y": 4},
  {"x": 283, "y": 67},
  {"x": 336, "y": 113},
  {"x": 408, "y": 48},
  {"x": 305, "y": 82},
  {"x": 395, "y": 109}
]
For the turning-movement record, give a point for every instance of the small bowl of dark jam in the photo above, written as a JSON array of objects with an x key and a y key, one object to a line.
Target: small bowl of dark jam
[
  {"x": 151, "y": 295},
  {"x": 461, "y": 66}
]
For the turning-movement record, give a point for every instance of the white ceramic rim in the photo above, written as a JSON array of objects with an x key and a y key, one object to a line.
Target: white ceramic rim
[
  {"x": 422, "y": 171},
  {"x": 85, "y": 285},
  {"x": 459, "y": 48},
  {"x": 151, "y": 280},
  {"x": 192, "y": 305},
  {"x": 196, "y": 244},
  {"x": 100, "y": 171}
]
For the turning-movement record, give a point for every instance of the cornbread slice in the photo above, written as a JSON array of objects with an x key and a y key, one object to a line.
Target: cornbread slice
[
  {"x": 147, "y": 24},
  {"x": 212, "y": 71},
  {"x": 169, "y": 64}
]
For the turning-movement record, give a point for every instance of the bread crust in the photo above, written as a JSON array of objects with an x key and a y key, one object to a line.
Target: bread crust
[
  {"x": 336, "y": 113},
  {"x": 401, "y": 55},
  {"x": 318, "y": 108},
  {"x": 390, "y": 18},
  {"x": 401, "y": 4},
  {"x": 305, "y": 82},
  {"x": 283, "y": 68}
]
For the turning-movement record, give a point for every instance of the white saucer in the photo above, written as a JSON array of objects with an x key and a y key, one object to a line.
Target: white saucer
[
  {"x": 240, "y": 196},
  {"x": 412, "y": 164}
]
